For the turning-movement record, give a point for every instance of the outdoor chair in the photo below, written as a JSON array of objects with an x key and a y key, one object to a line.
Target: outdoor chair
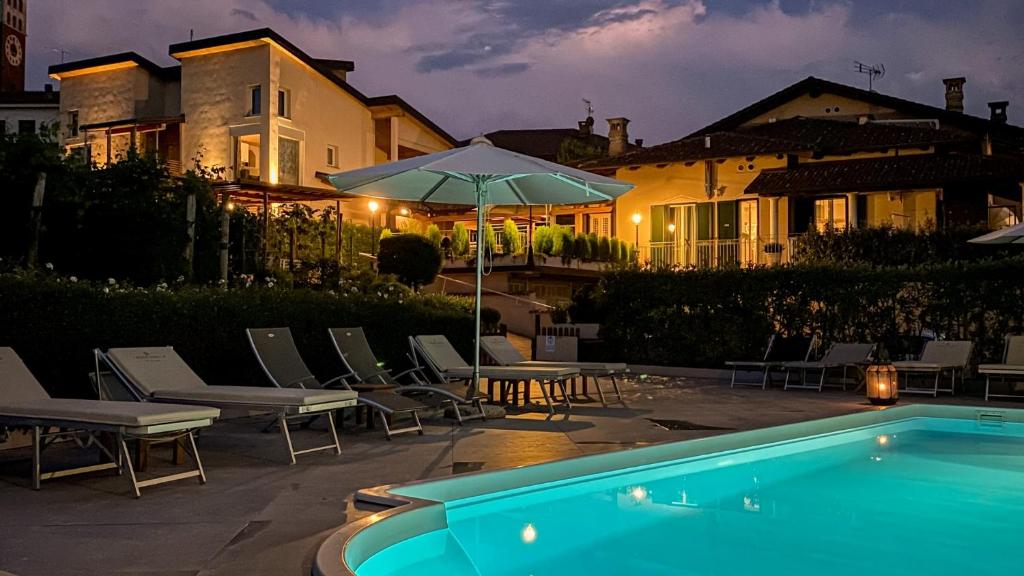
[
  {"x": 444, "y": 362},
  {"x": 938, "y": 357},
  {"x": 281, "y": 362},
  {"x": 354, "y": 350},
  {"x": 839, "y": 356},
  {"x": 501, "y": 350},
  {"x": 159, "y": 374},
  {"x": 781, "y": 349},
  {"x": 1012, "y": 368},
  {"x": 24, "y": 403}
]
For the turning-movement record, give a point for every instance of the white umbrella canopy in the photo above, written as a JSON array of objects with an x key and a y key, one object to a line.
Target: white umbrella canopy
[
  {"x": 480, "y": 175},
  {"x": 1011, "y": 235}
]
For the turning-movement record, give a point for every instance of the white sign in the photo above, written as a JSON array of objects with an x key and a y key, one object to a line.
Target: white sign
[{"x": 549, "y": 343}]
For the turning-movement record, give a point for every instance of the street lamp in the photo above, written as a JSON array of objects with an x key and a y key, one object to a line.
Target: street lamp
[
  {"x": 373, "y": 225},
  {"x": 672, "y": 229},
  {"x": 636, "y": 222}
]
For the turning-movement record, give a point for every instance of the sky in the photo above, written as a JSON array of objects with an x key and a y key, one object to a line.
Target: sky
[{"x": 670, "y": 66}]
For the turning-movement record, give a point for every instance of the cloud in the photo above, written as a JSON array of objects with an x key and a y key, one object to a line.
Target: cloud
[{"x": 669, "y": 65}]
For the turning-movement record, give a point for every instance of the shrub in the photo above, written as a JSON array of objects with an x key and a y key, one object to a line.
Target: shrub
[
  {"x": 604, "y": 249},
  {"x": 580, "y": 247},
  {"x": 411, "y": 258},
  {"x": 510, "y": 238},
  {"x": 460, "y": 240},
  {"x": 889, "y": 246},
  {"x": 542, "y": 240},
  {"x": 385, "y": 234},
  {"x": 434, "y": 235},
  {"x": 593, "y": 246},
  {"x": 490, "y": 316},
  {"x": 490, "y": 241},
  {"x": 705, "y": 317},
  {"x": 614, "y": 250},
  {"x": 568, "y": 249},
  {"x": 556, "y": 240}
]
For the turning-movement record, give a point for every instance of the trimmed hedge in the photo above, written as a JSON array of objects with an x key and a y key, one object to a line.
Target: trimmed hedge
[
  {"x": 55, "y": 325},
  {"x": 706, "y": 317}
]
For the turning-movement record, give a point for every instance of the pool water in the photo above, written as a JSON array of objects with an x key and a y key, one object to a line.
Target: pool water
[{"x": 922, "y": 496}]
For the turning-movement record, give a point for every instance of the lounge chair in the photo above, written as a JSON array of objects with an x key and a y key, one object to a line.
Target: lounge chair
[
  {"x": 505, "y": 354},
  {"x": 277, "y": 354},
  {"x": 444, "y": 362},
  {"x": 938, "y": 357},
  {"x": 354, "y": 350},
  {"x": 839, "y": 356},
  {"x": 781, "y": 349},
  {"x": 158, "y": 374},
  {"x": 25, "y": 403},
  {"x": 1011, "y": 368}
]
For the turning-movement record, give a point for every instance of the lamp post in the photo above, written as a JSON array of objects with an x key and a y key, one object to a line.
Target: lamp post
[
  {"x": 636, "y": 222},
  {"x": 373, "y": 225}
]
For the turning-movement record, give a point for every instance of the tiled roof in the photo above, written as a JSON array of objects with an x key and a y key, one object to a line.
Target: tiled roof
[
  {"x": 543, "y": 143},
  {"x": 717, "y": 145},
  {"x": 888, "y": 173},
  {"x": 837, "y": 136}
]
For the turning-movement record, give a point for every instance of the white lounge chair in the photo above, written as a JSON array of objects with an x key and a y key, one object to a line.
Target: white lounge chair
[
  {"x": 505, "y": 354},
  {"x": 1011, "y": 369},
  {"x": 444, "y": 362},
  {"x": 781, "y": 349},
  {"x": 279, "y": 356},
  {"x": 938, "y": 357},
  {"x": 839, "y": 356},
  {"x": 158, "y": 374},
  {"x": 25, "y": 403}
]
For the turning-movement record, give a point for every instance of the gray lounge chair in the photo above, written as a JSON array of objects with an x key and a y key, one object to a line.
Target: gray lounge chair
[
  {"x": 277, "y": 354},
  {"x": 505, "y": 354},
  {"x": 938, "y": 357},
  {"x": 158, "y": 374},
  {"x": 25, "y": 403},
  {"x": 357, "y": 356},
  {"x": 1012, "y": 368},
  {"x": 839, "y": 356},
  {"x": 781, "y": 349},
  {"x": 444, "y": 362}
]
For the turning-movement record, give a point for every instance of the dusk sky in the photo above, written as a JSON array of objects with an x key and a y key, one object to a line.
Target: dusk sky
[{"x": 669, "y": 66}]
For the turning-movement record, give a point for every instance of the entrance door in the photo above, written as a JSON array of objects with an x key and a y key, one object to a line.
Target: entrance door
[{"x": 749, "y": 242}]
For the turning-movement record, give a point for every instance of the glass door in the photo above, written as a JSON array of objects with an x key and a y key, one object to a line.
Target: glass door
[{"x": 749, "y": 242}]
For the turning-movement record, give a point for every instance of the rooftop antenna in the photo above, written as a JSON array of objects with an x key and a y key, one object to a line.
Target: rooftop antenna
[
  {"x": 872, "y": 72},
  {"x": 191, "y": 34},
  {"x": 60, "y": 51},
  {"x": 590, "y": 107}
]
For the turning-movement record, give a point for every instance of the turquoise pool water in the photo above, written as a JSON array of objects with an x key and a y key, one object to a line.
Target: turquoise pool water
[{"x": 922, "y": 496}]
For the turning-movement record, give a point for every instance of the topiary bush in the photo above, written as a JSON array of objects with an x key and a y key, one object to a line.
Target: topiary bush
[
  {"x": 614, "y": 251},
  {"x": 413, "y": 259},
  {"x": 510, "y": 238},
  {"x": 593, "y": 246},
  {"x": 604, "y": 249},
  {"x": 460, "y": 240},
  {"x": 434, "y": 235},
  {"x": 543, "y": 240},
  {"x": 490, "y": 240},
  {"x": 581, "y": 247}
]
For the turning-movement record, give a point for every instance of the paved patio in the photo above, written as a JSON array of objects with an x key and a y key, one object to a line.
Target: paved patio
[{"x": 257, "y": 515}]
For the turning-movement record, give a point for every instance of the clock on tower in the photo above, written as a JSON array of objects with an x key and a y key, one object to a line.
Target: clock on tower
[{"x": 12, "y": 43}]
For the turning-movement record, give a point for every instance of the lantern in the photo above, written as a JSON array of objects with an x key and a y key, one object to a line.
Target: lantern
[{"x": 882, "y": 384}]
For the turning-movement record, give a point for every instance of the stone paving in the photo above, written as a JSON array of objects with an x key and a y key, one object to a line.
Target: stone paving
[{"x": 258, "y": 515}]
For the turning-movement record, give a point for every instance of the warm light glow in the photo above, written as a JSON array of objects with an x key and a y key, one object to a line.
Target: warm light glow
[
  {"x": 882, "y": 439},
  {"x": 672, "y": 228},
  {"x": 229, "y": 206},
  {"x": 529, "y": 534},
  {"x": 638, "y": 493},
  {"x": 273, "y": 175},
  {"x": 404, "y": 211},
  {"x": 373, "y": 206},
  {"x": 636, "y": 218}
]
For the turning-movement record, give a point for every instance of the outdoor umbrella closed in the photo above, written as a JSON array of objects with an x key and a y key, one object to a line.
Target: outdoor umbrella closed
[
  {"x": 480, "y": 175},
  {"x": 1011, "y": 235}
]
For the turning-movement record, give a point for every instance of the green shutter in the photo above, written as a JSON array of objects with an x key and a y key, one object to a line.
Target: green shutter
[
  {"x": 657, "y": 223},
  {"x": 704, "y": 216},
  {"x": 728, "y": 220}
]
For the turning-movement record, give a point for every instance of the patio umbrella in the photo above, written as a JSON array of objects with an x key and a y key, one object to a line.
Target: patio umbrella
[
  {"x": 480, "y": 175},
  {"x": 1011, "y": 235}
]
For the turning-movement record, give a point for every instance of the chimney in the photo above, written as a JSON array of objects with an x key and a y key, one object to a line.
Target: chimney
[
  {"x": 639, "y": 142},
  {"x": 586, "y": 126},
  {"x": 955, "y": 93},
  {"x": 618, "y": 136},
  {"x": 997, "y": 112}
]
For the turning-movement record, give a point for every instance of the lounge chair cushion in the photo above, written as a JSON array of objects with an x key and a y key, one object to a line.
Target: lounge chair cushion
[
  {"x": 1001, "y": 369},
  {"x": 917, "y": 365},
  {"x": 129, "y": 414},
  {"x": 17, "y": 384},
  {"x": 504, "y": 353},
  {"x": 391, "y": 400},
  {"x": 586, "y": 368},
  {"x": 257, "y": 395},
  {"x": 514, "y": 373}
]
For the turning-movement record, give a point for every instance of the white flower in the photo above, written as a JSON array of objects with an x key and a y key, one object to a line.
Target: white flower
[
  {"x": 221, "y": 282},
  {"x": 354, "y": 289},
  {"x": 49, "y": 265},
  {"x": 391, "y": 288},
  {"x": 181, "y": 278},
  {"x": 270, "y": 284},
  {"x": 106, "y": 290},
  {"x": 111, "y": 281},
  {"x": 73, "y": 279}
]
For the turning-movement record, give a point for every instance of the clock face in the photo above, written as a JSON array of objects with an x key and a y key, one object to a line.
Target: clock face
[{"x": 13, "y": 51}]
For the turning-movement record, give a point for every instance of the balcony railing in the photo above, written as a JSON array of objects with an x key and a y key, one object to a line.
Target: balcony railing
[{"x": 715, "y": 253}]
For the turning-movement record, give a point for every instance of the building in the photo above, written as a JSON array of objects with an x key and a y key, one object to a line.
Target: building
[
  {"x": 816, "y": 155},
  {"x": 21, "y": 111},
  {"x": 269, "y": 119}
]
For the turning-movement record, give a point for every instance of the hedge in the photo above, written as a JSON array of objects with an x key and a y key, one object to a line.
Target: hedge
[
  {"x": 55, "y": 325},
  {"x": 706, "y": 317}
]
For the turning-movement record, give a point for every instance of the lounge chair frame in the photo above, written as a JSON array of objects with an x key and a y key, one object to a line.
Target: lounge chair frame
[
  {"x": 766, "y": 366},
  {"x": 938, "y": 371},
  {"x": 822, "y": 366},
  {"x": 375, "y": 404},
  {"x": 1011, "y": 368},
  {"x": 282, "y": 414}
]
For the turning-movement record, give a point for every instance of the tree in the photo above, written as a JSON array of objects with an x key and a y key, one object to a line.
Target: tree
[
  {"x": 410, "y": 257},
  {"x": 460, "y": 240},
  {"x": 490, "y": 241},
  {"x": 434, "y": 235},
  {"x": 510, "y": 238}
]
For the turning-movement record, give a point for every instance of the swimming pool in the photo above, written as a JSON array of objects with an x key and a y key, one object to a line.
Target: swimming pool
[{"x": 936, "y": 490}]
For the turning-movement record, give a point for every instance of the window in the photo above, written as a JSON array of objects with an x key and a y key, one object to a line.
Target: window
[
  {"x": 567, "y": 220},
  {"x": 332, "y": 155},
  {"x": 283, "y": 103},
  {"x": 73, "y": 124},
  {"x": 830, "y": 213},
  {"x": 255, "y": 100},
  {"x": 26, "y": 126}
]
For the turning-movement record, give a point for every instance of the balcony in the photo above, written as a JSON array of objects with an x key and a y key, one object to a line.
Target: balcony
[{"x": 714, "y": 253}]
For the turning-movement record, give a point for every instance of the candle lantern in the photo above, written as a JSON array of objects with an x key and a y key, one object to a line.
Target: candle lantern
[{"x": 882, "y": 384}]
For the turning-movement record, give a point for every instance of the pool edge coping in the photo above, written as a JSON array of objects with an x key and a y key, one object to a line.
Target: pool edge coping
[{"x": 425, "y": 515}]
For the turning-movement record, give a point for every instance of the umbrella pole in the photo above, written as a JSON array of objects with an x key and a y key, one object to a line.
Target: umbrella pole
[{"x": 481, "y": 191}]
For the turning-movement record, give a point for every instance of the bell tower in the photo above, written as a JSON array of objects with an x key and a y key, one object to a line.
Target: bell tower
[{"x": 12, "y": 45}]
